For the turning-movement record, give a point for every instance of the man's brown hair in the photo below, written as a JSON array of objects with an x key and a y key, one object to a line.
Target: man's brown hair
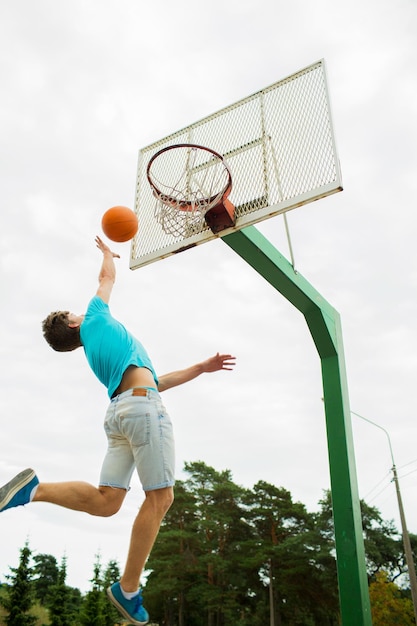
[{"x": 58, "y": 334}]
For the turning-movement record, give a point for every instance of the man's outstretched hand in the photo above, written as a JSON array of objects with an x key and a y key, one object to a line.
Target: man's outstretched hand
[
  {"x": 105, "y": 248},
  {"x": 219, "y": 362}
]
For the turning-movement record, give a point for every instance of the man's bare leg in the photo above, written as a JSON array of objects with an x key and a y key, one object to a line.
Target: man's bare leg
[
  {"x": 144, "y": 532},
  {"x": 105, "y": 501},
  {"x": 80, "y": 496}
]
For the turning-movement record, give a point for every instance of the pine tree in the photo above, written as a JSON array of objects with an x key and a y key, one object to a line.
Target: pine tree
[
  {"x": 111, "y": 575},
  {"x": 92, "y": 612},
  {"x": 59, "y": 599},
  {"x": 284, "y": 560},
  {"x": 200, "y": 573},
  {"x": 174, "y": 562},
  {"x": 224, "y": 532},
  {"x": 20, "y": 597},
  {"x": 46, "y": 573}
]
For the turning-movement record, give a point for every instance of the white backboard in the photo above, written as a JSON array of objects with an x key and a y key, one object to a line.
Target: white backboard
[{"x": 279, "y": 144}]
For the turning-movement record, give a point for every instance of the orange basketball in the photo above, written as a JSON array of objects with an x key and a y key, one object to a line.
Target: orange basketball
[{"x": 119, "y": 224}]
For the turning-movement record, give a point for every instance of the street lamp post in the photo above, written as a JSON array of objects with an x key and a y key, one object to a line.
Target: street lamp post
[{"x": 406, "y": 538}]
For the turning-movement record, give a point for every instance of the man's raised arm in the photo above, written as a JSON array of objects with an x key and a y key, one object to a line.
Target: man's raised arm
[{"x": 107, "y": 274}]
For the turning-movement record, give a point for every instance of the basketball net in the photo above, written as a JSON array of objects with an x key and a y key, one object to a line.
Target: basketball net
[{"x": 188, "y": 181}]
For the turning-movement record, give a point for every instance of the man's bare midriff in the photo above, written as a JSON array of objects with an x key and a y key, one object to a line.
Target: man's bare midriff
[{"x": 135, "y": 377}]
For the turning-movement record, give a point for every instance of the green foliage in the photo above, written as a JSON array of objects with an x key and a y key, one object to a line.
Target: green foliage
[
  {"x": 63, "y": 601},
  {"x": 92, "y": 612},
  {"x": 111, "y": 575},
  {"x": 291, "y": 555},
  {"x": 383, "y": 545},
  {"x": 20, "y": 596},
  {"x": 19, "y": 600},
  {"x": 413, "y": 541},
  {"x": 45, "y": 575},
  {"x": 225, "y": 556},
  {"x": 96, "y": 610}
]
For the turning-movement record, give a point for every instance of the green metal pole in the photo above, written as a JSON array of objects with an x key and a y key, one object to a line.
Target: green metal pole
[{"x": 324, "y": 324}]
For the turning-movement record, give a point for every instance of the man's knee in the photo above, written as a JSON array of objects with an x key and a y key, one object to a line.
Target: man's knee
[
  {"x": 109, "y": 509},
  {"x": 170, "y": 499},
  {"x": 112, "y": 500},
  {"x": 161, "y": 500}
]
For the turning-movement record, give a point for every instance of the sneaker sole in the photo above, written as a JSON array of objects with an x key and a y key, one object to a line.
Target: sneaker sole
[
  {"x": 123, "y": 611},
  {"x": 13, "y": 486}
]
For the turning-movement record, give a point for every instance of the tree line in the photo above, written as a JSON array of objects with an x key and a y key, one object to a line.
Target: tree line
[{"x": 225, "y": 556}]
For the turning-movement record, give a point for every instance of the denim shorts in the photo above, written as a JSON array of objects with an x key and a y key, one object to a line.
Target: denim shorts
[{"x": 139, "y": 433}]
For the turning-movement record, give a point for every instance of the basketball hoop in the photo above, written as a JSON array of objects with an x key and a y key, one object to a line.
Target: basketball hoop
[{"x": 191, "y": 184}]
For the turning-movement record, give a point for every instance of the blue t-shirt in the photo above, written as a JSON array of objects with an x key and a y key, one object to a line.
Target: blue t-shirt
[{"x": 109, "y": 347}]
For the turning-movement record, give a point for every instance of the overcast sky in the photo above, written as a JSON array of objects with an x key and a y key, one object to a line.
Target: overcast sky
[{"x": 85, "y": 85}]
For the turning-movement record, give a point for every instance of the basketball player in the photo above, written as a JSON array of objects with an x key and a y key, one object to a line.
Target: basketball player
[{"x": 137, "y": 426}]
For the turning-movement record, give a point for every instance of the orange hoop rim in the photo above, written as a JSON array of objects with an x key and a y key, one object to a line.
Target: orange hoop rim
[{"x": 189, "y": 205}]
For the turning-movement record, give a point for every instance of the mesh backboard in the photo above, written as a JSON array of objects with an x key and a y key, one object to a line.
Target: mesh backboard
[{"x": 279, "y": 145}]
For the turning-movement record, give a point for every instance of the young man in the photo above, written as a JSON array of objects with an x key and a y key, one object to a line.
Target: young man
[{"x": 138, "y": 429}]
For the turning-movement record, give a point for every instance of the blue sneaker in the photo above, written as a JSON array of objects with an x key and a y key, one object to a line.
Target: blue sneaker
[
  {"x": 17, "y": 491},
  {"x": 133, "y": 610}
]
